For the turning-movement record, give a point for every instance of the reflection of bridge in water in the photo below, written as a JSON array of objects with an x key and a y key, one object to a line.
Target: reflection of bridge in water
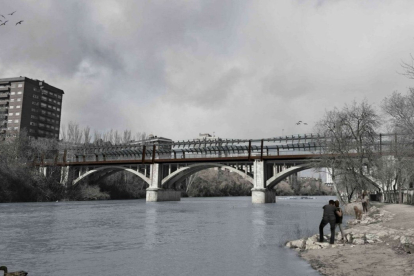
[{"x": 163, "y": 163}]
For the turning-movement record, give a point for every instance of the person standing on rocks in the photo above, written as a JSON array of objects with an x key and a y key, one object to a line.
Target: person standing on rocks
[
  {"x": 339, "y": 215},
  {"x": 328, "y": 217},
  {"x": 364, "y": 202}
]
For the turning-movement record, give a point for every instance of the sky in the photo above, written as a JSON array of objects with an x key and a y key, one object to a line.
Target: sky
[{"x": 235, "y": 69}]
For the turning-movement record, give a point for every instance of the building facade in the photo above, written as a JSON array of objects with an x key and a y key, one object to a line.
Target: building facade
[{"x": 29, "y": 104}]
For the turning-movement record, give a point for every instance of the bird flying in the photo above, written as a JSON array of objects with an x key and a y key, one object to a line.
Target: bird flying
[
  {"x": 2, "y": 16},
  {"x": 12, "y": 13},
  {"x": 20, "y": 22},
  {"x": 4, "y": 23}
]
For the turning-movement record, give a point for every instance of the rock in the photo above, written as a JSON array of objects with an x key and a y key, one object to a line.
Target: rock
[
  {"x": 371, "y": 237},
  {"x": 358, "y": 241},
  {"x": 370, "y": 241},
  {"x": 297, "y": 244},
  {"x": 323, "y": 244},
  {"x": 313, "y": 246},
  {"x": 407, "y": 240},
  {"x": 358, "y": 236}
]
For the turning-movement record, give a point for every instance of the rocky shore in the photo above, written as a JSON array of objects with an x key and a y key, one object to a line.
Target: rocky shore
[{"x": 382, "y": 243}]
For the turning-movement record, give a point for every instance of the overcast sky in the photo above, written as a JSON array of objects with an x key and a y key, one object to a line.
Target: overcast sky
[{"x": 241, "y": 69}]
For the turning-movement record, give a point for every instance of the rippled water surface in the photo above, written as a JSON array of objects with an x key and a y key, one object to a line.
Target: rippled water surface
[{"x": 196, "y": 236}]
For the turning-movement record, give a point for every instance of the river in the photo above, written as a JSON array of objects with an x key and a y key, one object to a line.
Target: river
[{"x": 196, "y": 236}]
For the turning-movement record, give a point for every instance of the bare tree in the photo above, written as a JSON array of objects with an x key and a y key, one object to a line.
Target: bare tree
[
  {"x": 87, "y": 135},
  {"x": 126, "y": 137},
  {"x": 97, "y": 135},
  {"x": 349, "y": 141},
  {"x": 399, "y": 110},
  {"x": 117, "y": 137},
  {"x": 74, "y": 133},
  {"x": 63, "y": 135}
]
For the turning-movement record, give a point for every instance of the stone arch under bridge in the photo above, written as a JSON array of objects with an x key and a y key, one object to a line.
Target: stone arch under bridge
[
  {"x": 184, "y": 172},
  {"x": 116, "y": 168}
]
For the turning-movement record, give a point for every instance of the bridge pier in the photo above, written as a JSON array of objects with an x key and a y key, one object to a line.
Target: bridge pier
[
  {"x": 260, "y": 193},
  {"x": 263, "y": 196},
  {"x": 158, "y": 194},
  {"x": 155, "y": 192}
]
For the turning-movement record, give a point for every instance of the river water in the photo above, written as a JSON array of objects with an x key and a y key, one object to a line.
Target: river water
[{"x": 196, "y": 236}]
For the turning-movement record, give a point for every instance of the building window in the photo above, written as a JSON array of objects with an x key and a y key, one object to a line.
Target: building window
[
  {"x": 58, "y": 115},
  {"x": 19, "y": 92},
  {"x": 17, "y": 106},
  {"x": 20, "y": 85},
  {"x": 31, "y": 130},
  {"x": 59, "y": 97},
  {"x": 43, "y": 105},
  {"x": 58, "y": 109},
  {"x": 41, "y": 125},
  {"x": 16, "y": 128},
  {"x": 35, "y": 96},
  {"x": 19, "y": 99},
  {"x": 34, "y": 110},
  {"x": 13, "y": 93},
  {"x": 17, "y": 113},
  {"x": 10, "y": 121},
  {"x": 33, "y": 116},
  {"x": 10, "y": 114},
  {"x": 13, "y": 85},
  {"x": 33, "y": 124},
  {"x": 35, "y": 89},
  {"x": 12, "y": 100},
  {"x": 9, "y": 128},
  {"x": 16, "y": 121},
  {"x": 11, "y": 107}
]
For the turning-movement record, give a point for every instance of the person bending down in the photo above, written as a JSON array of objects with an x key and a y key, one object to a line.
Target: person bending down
[{"x": 328, "y": 217}]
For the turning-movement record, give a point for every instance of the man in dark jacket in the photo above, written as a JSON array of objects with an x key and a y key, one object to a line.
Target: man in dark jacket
[{"x": 328, "y": 217}]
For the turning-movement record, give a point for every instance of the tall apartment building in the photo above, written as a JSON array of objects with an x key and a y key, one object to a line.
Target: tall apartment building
[{"x": 29, "y": 104}]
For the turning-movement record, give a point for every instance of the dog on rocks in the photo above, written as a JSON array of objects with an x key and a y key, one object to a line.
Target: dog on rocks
[{"x": 358, "y": 213}]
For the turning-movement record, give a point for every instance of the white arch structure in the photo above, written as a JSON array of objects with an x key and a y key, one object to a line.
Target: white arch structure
[
  {"x": 142, "y": 176},
  {"x": 184, "y": 172},
  {"x": 274, "y": 180}
]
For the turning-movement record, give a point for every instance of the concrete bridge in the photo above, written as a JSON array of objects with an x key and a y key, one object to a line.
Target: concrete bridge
[{"x": 163, "y": 163}]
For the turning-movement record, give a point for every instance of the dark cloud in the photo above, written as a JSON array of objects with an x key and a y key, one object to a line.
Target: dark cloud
[{"x": 238, "y": 68}]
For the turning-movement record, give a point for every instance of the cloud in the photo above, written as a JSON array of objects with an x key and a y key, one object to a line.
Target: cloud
[{"x": 237, "y": 68}]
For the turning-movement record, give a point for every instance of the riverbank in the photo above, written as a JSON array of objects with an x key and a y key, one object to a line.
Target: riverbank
[{"x": 382, "y": 243}]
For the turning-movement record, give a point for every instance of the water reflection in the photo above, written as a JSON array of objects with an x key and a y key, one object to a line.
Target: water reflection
[{"x": 151, "y": 227}]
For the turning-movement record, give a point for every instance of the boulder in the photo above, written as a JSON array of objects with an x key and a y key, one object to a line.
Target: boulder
[
  {"x": 296, "y": 244},
  {"x": 358, "y": 241}
]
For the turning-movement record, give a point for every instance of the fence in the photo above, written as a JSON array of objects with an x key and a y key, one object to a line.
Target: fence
[{"x": 393, "y": 196}]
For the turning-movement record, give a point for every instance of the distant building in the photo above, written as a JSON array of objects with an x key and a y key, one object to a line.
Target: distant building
[
  {"x": 164, "y": 145},
  {"x": 29, "y": 104}
]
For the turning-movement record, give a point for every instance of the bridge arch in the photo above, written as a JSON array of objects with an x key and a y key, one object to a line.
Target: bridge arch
[
  {"x": 274, "y": 180},
  {"x": 182, "y": 173},
  {"x": 117, "y": 168}
]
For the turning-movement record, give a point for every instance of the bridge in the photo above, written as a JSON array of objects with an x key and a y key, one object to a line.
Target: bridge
[{"x": 163, "y": 164}]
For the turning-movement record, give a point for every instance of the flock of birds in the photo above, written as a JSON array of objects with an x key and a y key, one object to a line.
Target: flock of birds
[
  {"x": 3, "y": 23},
  {"x": 300, "y": 122}
]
